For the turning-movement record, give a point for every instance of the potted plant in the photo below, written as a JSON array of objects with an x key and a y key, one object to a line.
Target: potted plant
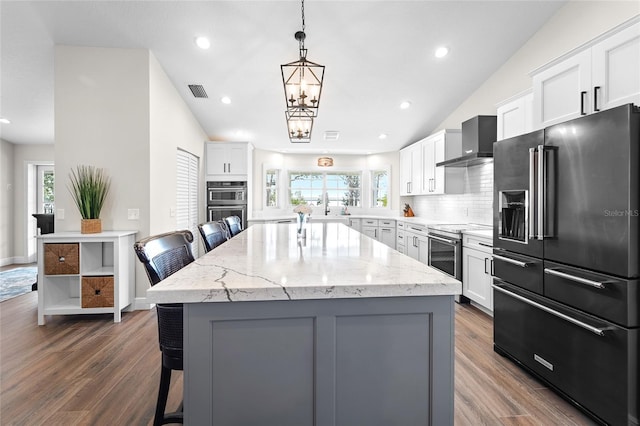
[{"x": 89, "y": 188}]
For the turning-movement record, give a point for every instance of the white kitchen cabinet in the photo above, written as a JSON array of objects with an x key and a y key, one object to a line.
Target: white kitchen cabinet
[
  {"x": 383, "y": 230},
  {"x": 227, "y": 161},
  {"x": 515, "y": 115},
  {"x": 85, "y": 273},
  {"x": 436, "y": 148},
  {"x": 410, "y": 170},
  {"x": 401, "y": 238},
  {"x": 600, "y": 74},
  {"x": 355, "y": 223},
  {"x": 417, "y": 242},
  {"x": 476, "y": 270}
]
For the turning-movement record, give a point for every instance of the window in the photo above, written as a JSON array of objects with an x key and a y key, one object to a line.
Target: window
[
  {"x": 379, "y": 188},
  {"x": 271, "y": 187},
  {"x": 187, "y": 167},
  {"x": 46, "y": 197},
  {"x": 336, "y": 189}
]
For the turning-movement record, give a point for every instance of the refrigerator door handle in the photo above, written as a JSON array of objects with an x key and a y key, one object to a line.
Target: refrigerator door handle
[
  {"x": 594, "y": 330},
  {"x": 513, "y": 261},
  {"x": 541, "y": 192},
  {"x": 532, "y": 186},
  {"x": 557, "y": 273}
]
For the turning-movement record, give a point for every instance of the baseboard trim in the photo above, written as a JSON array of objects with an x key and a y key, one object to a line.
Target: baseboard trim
[{"x": 141, "y": 304}]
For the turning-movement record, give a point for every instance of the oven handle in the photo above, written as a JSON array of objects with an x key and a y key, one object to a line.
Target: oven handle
[
  {"x": 444, "y": 240},
  {"x": 594, "y": 330},
  {"x": 513, "y": 261},
  {"x": 596, "y": 284}
]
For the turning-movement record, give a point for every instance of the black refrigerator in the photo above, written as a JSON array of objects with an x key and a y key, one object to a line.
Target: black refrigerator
[{"x": 566, "y": 255}]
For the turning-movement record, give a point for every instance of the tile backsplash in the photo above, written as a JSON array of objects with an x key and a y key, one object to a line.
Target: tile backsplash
[{"x": 475, "y": 205}]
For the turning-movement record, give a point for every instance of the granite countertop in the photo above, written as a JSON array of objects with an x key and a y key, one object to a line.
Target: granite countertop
[{"x": 269, "y": 262}]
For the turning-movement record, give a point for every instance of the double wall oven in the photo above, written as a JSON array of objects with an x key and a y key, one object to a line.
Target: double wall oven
[
  {"x": 566, "y": 252},
  {"x": 227, "y": 199}
]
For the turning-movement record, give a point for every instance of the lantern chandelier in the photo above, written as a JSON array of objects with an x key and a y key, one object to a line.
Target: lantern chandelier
[{"x": 302, "y": 80}]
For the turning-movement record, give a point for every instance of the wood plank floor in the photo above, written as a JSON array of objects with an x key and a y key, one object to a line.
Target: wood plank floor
[{"x": 86, "y": 370}]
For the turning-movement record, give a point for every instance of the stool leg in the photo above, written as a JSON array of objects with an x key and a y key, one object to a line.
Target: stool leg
[{"x": 163, "y": 393}]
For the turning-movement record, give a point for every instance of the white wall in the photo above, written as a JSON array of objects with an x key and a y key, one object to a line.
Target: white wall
[
  {"x": 301, "y": 162},
  {"x": 7, "y": 186},
  {"x": 116, "y": 109},
  {"x": 574, "y": 24}
]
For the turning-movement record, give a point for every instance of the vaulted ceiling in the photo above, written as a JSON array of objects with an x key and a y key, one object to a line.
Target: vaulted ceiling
[{"x": 377, "y": 54}]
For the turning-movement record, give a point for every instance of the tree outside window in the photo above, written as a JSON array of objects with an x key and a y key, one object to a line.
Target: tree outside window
[
  {"x": 380, "y": 188},
  {"x": 271, "y": 187},
  {"x": 339, "y": 189},
  {"x": 48, "y": 197}
]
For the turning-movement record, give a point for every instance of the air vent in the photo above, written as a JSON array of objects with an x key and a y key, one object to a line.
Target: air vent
[
  {"x": 198, "y": 91},
  {"x": 331, "y": 135}
]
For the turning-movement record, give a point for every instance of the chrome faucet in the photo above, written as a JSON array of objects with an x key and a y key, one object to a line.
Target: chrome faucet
[{"x": 326, "y": 203}]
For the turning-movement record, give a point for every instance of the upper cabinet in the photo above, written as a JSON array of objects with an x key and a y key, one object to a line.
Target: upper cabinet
[
  {"x": 515, "y": 115},
  {"x": 410, "y": 170},
  {"x": 601, "y": 74},
  {"x": 418, "y": 172},
  {"x": 437, "y": 148},
  {"x": 227, "y": 161}
]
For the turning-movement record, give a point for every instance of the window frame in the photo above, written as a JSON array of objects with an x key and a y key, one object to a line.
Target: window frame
[
  {"x": 373, "y": 189},
  {"x": 324, "y": 190},
  {"x": 277, "y": 188}
]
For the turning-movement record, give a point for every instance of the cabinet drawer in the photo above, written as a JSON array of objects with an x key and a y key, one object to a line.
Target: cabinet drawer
[
  {"x": 61, "y": 259},
  {"x": 523, "y": 271},
  {"x": 400, "y": 225},
  {"x": 599, "y": 372},
  {"x": 611, "y": 298},
  {"x": 97, "y": 292},
  {"x": 386, "y": 223},
  {"x": 369, "y": 222},
  {"x": 478, "y": 243}
]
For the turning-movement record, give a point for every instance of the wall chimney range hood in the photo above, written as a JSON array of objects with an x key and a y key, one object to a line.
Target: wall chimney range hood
[{"x": 478, "y": 135}]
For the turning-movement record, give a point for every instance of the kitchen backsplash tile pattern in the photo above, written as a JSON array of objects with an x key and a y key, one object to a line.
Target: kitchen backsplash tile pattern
[{"x": 474, "y": 206}]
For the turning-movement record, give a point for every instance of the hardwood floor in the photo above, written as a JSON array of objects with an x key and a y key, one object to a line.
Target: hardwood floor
[{"x": 86, "y": 370}]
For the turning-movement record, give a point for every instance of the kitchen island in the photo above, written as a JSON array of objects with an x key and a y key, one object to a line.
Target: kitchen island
[{"x": 332, "y": 329}]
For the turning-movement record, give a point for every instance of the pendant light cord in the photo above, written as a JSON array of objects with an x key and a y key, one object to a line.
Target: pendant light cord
[{"x": 303, "y": 27}]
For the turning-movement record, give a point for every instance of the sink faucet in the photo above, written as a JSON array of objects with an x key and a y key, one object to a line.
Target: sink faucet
[{"x": 326, "y": 203}]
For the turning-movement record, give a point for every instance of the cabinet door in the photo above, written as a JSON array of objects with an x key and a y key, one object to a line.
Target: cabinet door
[
  {"x": 616, "y": 69},
  {"x": 429, "y": 165},
  {"x": 216, "y": 159},
  {"x": 423, "y": 249},
  {"x": 237, "y": 159},
  {"x": 405, "y": 171},
  {"x": 562, "y": 92},
  {"x": 476, "y": 277},
  {"x": 370, "y": 231},
  {"x": 355, "y": 224},
  {"x": 515, "y": 117},
  {"x": 387, "y": 236},
  {"x": 416, "y": 169}
]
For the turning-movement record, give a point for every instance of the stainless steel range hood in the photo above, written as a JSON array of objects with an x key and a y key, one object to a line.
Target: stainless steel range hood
[{"x": 478, "y": 135}]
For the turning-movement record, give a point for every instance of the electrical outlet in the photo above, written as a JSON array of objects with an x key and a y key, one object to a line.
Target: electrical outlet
[
  {"x": 60, "y": 214},
  {"x": 133, "y": 214},
  {"x": 172, "y": 212}
]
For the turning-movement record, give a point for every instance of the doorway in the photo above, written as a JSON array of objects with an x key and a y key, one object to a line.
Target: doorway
[{"x": 40, "y": 188}]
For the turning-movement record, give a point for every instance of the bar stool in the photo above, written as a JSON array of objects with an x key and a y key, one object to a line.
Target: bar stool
[
  {"x": 213, "y": 234},
  {"x": 162, "y": 255}
]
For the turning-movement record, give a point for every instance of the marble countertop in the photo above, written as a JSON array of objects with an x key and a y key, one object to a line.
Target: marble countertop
[
  {"x": 487, "y": 233},
  {"x": 269, "y": 262}
]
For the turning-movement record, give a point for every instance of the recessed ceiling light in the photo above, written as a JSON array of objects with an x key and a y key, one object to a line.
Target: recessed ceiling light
[
  {"x": 441, "y": 52},
  {"x": 4, "y": 120},
  {"x": 382, "y": 136},
  {"x": 225, "y": 100},
  {"x": 405, "y": 105},
  {"x": 203, "y": 42}
]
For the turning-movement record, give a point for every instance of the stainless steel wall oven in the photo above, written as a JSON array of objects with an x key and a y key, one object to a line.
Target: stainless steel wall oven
[{"x": 227, "y": 199}]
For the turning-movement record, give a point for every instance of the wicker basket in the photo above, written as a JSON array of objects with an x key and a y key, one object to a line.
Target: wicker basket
[
  {"x": 91, "y": 226},
  {"x": 61, "y": 259},
  {"x": 97, "y": 292}
]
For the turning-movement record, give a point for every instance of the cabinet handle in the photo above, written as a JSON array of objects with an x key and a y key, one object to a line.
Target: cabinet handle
[
  {"x": 596, "y": 284},
  {"x": 582, "y": 95},
  {"x": 594, "y": 330},
  {"x": 485, "y": 265},
  {"x": 224, "y": 165},
  {"x": 229, "y": 167},
  {"x": 485, "y": 245},
  {"x": 596, "y": 89}
]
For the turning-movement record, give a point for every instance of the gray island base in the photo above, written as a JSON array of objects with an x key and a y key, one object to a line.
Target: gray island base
[{"x": 358, "y": 334}]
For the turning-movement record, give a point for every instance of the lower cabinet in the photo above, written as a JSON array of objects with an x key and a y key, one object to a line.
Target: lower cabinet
[
  {"x": 383, "y": 230},
  {"x": 417, "y": 242},
  {"x": 85, "y": 273},
  {"x": 476, "y": 270}
]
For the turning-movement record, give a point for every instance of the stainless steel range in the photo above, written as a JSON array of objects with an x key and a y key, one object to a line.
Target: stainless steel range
[{"x": 445, "y": 249}]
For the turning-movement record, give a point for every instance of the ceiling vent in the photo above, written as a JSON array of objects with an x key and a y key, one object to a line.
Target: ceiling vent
[
  {"x": 198, "y": 91},
  {"x": 331, "y": 135}
]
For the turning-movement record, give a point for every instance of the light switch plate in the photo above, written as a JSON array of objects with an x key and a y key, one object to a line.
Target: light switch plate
[
  {"x": 60, "y": 214},
  {"x": 133, "y": 214}
]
